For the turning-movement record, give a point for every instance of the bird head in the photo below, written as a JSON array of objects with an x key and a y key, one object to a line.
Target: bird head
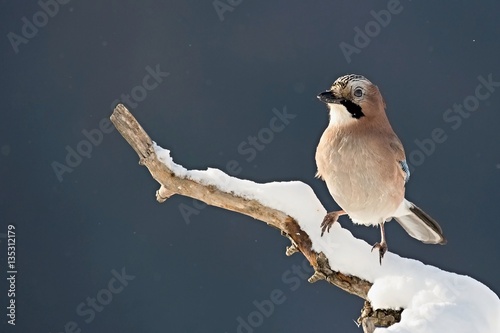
[{"x": 353, "y": 97}]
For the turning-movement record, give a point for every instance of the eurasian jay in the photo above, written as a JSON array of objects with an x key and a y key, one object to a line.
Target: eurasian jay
[{"x": 364, "y": 166}]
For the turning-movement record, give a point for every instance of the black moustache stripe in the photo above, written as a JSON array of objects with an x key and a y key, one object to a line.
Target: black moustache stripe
[{"x": 353, "y": 108}]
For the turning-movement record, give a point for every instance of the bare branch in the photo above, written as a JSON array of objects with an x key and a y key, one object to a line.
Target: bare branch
[{"x": 171, "y": 184}]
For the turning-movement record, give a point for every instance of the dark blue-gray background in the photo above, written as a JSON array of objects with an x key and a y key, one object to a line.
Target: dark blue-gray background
[{"x": 225, "y": 78}]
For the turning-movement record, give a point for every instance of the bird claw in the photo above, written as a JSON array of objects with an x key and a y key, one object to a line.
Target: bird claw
[
  {"x": 382, "y": 249},
  {"x": 328, "y": 221}
]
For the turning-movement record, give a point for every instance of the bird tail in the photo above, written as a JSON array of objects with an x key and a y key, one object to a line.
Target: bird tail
[{"x": 418, "y": 224}]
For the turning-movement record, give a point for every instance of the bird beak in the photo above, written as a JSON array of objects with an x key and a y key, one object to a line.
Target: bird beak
[{"x": 328, "y": 97}]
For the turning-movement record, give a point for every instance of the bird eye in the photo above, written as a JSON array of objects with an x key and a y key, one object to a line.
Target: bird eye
[{"x": 358, "y": 92}]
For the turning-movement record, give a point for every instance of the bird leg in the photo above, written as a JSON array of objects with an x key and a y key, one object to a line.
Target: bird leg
[
  {"x": 382, "y": 246},
  {"x": 329, "y": 220}
]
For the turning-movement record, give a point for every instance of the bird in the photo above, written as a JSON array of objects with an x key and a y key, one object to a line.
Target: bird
[{"x": 363, "y": 163}]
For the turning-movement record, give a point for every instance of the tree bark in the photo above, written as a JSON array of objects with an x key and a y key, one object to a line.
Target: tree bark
[{"x": 171, "y": 184}]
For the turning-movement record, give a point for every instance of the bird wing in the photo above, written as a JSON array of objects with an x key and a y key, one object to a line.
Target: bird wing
[
  {"x": 399, "y": 154},
  {"x": 406, "y": 170}
]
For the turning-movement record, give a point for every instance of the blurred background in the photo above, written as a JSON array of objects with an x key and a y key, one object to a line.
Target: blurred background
[{"x": 95, "y": 252}]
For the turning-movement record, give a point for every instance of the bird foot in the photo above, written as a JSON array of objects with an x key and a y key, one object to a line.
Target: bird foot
[
  {"x": 328, "y": 221},
  {"x": 382, "y": 249}
]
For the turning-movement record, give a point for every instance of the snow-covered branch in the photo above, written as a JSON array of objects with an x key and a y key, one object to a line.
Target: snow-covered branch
[{"x": 433, "y": 300}]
